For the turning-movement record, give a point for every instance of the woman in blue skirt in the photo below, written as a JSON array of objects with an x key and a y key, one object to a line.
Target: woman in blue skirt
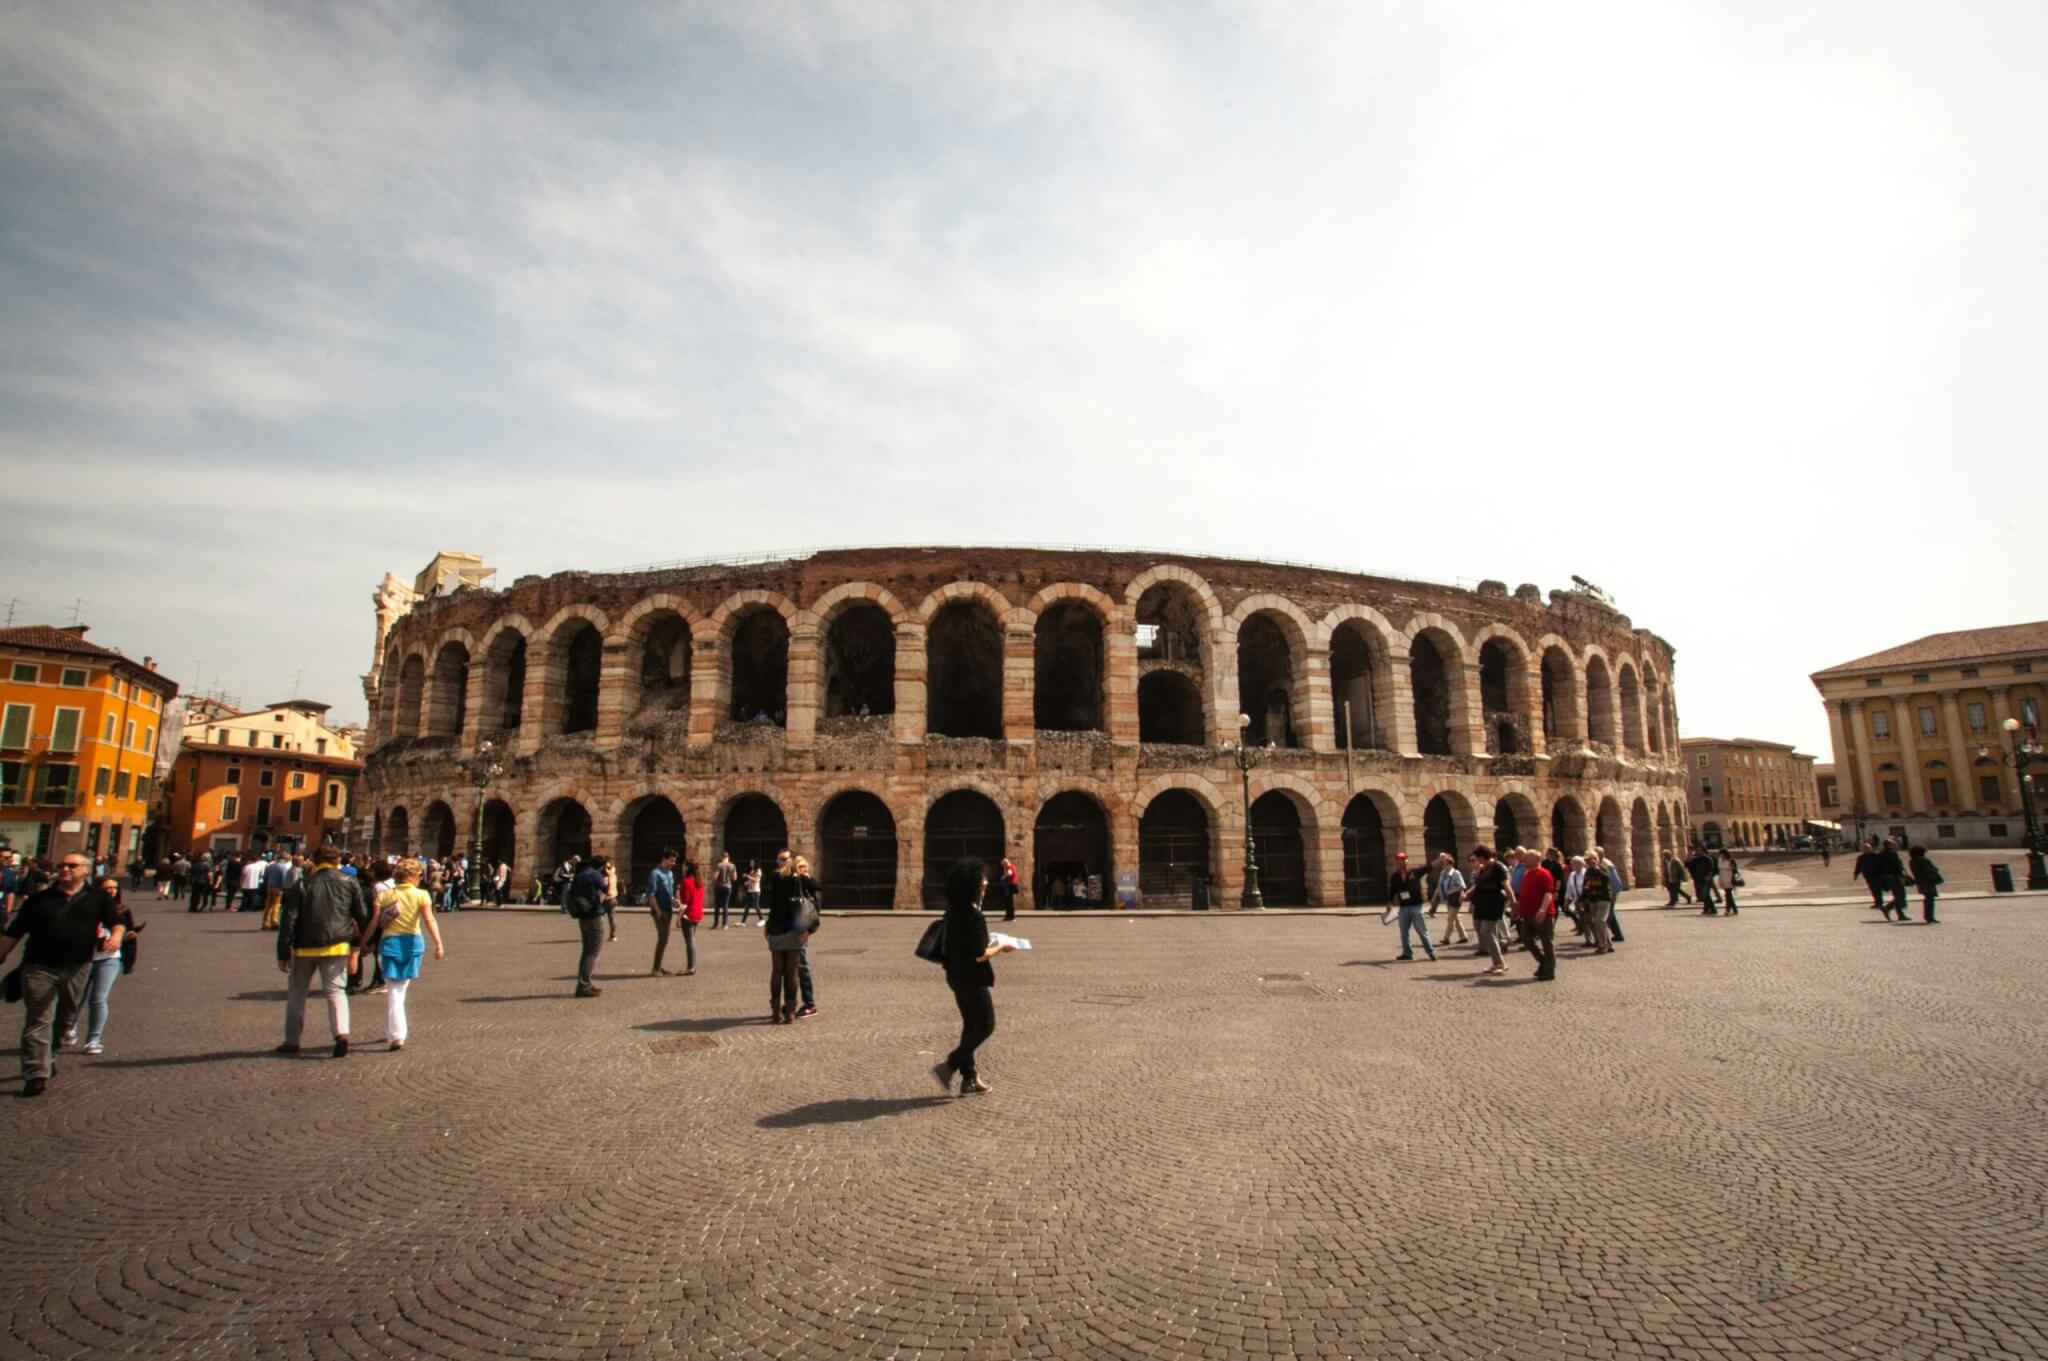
[{"x": 404, "y": 912}]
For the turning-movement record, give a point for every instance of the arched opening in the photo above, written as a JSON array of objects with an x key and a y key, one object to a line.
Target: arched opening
[
  {"x": 1609, "y": 830},
  {"x": 1173, "y": 626},
  {"x": 1359, "y": 672},
  {"x": 1170, "y": 709},
  {"x": 412, "y": 685},
  {"x": 754, "y": 831},
  {"x": 504, "y": 682},
  {"x": 964, "y": 671},
  {"x": 1276, "y": 836},
  {"x": 501, "y": 834},
  {"x": 397, "y": 833},
  {"x": 1439, "y": 830},
  {"x": 377, "y": 833},
  {"x": 1568, "y": 826},
  {"x": 1066, "y": 694},
  {"x": 760, "y": 668},
  {"x": 1642, "y": 845},
  {"x": 1173, "y": 849},
  {"x": 1600, "y": 716},
  {"x": 1071, "y": 853},
  {"x": 437, "y": 831},
  {"x": 664, "y": 670},
  {"x": 1560, "y": 697},
  {"x": 860, "y": 663},
  {"x": 1365, "y": 853},
  {"x": 1631, "y": 712},
  {"x": 448, "y": 694},
  {"x": 1429, "y": 673},
  {"x": 565, "y": 830},
  {"x": 1503, "y": 697},
  {"x": 1268, "y": 658},
  {"x": 961, "y": 825},
  {"x": 1653, "y": 714},
  {"x": 1507, "y": 827},
  {"x": 651, "y": 826},
  {"x": 582, "y": 661},
  {"x": 857, "y": 852}
]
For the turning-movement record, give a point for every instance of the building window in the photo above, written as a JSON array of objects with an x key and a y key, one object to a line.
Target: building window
[
  {"x": 1707, "y": 805},
  {"x": 102, "y": 781},
  {"x": 298, "y": 779},
  {"x": 10, "y": 781},
  {"x": 1927, "y": 722},
  {"x": 1976, "y": 712},
  {"x": 1937, "y": 790},
  {"x": 149, "y": 739},
  {"x": 2028, "y": 714},
  {"x": 27, "y": 673},
  {"x": 263, "y": 812},
  {"x": 108, "y": 734},
  {"x": 64, "y": 730},
  {"x": 265, "y": 779},
  {"x": 319, "y": 746},
  {"x": 14, "y": 727},
  {"x": 1872, "y": 682},
  {"x": 1969, "y": 673},
  {"x": 252, "y": 737},
  {"x": 1891, "y": 791},
  {"x": 1945, "y": 829},
  {"x": 56, "y": 783},
  {"x": 1896, "y": 833},
  {"x": 2023, "y": 668},
  {"x": 277, "y": 740},
  {"x": 291, "y": 809},
  {"x": 1703, "y": 760},
  {"x": 128, "y": 735},
  {"x": 1990, "y": 789},
  {"x": 1998, "y": 829},
  {"x": 121, "y": 784},
  {"x": 1919, "y": 678},
  {"x": 233, "y": 775},
  {"x": 1881, "y": 724},
  {"x": 73, "y": 677},
  {"x": 334, "y": 796},
  {"x": 142, "y": 788},
  {"x": 229, "y": 806}
]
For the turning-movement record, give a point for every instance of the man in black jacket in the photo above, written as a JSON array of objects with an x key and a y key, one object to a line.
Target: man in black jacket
[
  {"x": 1889, "y": 877},
  {"x": 64, "y": 923},
  {"x": 1701, "y": 868},
  {"x": 320, "y": 927},
  {"x": 1866, "y": 870}
]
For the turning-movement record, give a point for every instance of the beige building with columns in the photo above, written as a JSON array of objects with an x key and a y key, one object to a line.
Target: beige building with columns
[
  {"x": 1744, "y": 792},
  {"x": 1918, "y": 732}
]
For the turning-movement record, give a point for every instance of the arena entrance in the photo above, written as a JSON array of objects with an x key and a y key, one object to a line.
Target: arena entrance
[
  {"x": 1276, "y": 835},
  {"x": 754, "y": 832},
  {"x": 1173, "y": 850},
  {"x": 857, "y": 852},
  {"x": 961, "y": 825},
  {"x": 1070, "y": 850}
]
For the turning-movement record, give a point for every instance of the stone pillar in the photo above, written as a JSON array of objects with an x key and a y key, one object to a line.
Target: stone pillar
[
  {"x": 1221, "y": 679},
  {"x": 1962, "y": 784},
  {"x": 911, "y": 663},
  {"x": 1845, "y": 784},
  {"x": 1019, "y": 681},
  {"x": 538, "y": 719},
  {"x": 802, "y": 690},
  {"x": 1123, "y": 843},
  {"x": 2001, "y": 709},
  {"x": 1866, "y": 771},
  {"x": 1325, "y": 854},
  {"x": 618, "y": 691},
  {"x": 710, "y": 688},
  {"x": 1468, "y": 719},
  {"x": 1529, "y": 703},
  {"x": 1905, "y": 712},
  {"x": 1120, "y": 676},
  {"x": 473, "y": 704},
  {"x": 1402, "y": 711},
  {"x": 1318, "y": 717}
]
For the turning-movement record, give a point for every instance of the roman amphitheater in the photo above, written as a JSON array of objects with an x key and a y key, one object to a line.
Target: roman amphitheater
[{"x": 1084, "y": 713}]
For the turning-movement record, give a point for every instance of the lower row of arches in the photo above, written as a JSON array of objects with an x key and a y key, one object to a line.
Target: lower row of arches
[{"x": 1184, "y": 849}]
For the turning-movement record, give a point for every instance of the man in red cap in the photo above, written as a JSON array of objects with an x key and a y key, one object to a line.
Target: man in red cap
[
  {"x": 1536, "y": 909},
  {"x": 1404, "y": 890}
]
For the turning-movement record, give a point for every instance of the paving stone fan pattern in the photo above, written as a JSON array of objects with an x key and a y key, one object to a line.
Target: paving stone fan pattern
[{"x": 1798, "y": 1133}]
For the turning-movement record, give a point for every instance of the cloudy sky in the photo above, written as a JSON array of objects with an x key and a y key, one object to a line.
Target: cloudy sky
[{"x": 1736, "y": 309}]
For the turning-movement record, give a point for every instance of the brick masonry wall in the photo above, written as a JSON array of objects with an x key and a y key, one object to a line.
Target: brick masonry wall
[{"x": 697, "y": 758}]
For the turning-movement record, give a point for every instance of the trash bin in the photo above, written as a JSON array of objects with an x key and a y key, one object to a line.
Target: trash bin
[
  {"x": 1201, "y": 893},
  {"x": 2001, "y": 878}
]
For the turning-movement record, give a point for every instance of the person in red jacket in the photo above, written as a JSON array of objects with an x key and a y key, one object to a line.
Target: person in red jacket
[
  {"x": 1536, "y": 909},
  {"x": 691, "y": 895}
]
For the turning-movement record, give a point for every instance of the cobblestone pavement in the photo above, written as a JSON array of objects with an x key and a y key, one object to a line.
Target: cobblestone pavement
[{"x": 1800, "y": 1133}]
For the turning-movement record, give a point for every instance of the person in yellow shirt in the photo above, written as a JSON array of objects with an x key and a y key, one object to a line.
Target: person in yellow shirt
[{"x": 404, "y": 912}]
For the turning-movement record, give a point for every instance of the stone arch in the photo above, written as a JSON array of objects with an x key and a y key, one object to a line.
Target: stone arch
[
  {"x": 448, "y": 689},
  {"x": 751, "y": 825},
  {"x": 563, "y": 827},
  {"x": 1135, "y": 589},
  {"x": 1610, "y": 828},
  {"x": 964, "y": 821},
  {"x": 437, "y": 830},
  {"x": 857, "y": 660},
  {"x": 1653, "y": 707},
  {"x": 1516, "y": 822},
  {"x": 1271, "y": 636},
  {"x": 995, "y": 601},
  {"x": 1507, "y": 709},
  {"x": 1436, "y": 676},
  {"x": 828, "y": 606},
  {"x": 502, "y": 658},
  {"x": 755, "y": 652},
  {"x": 1174, "y": 632},
  {"x": 1450, "y": 825},
  {"x": 1561, "y": 693},
  {"x": 1370, "y": 831},
  {"x": 1569, "y": 831},
  {"x": 410, "y": 700},
  {"x": 1365, "y": 652},
  {"x": 645, "y": 825},
  {"x": 964, "y": 662},
  {"x": 1288, "y": 840},
  {"x": 565, "y": 664},
  {"x": 1179, "y": 841},
  {"x": 1072, "y": 839},
  {"x": 650, "y": 655},
  {"x": 856, "y": 849},
  {"x": 397, "y": 838},
  {"x": 1070, "y": 626},
  {"x": 1643, "y": 867},
  {"x": 501, "y": 837},
  {"x": 1630, "y": 691},
  {"x": 1603, "y": 723}
]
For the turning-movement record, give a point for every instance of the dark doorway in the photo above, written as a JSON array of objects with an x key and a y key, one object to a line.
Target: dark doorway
[
  {"x": 665, "y": 663},
  {"x": 754, "y": 831},
  {"x": 437, "y": 831},
  {"x": 1173, "y": 850},
  {"x": 1265, "y": 682},
  {"x": 964, "y": 661},
  {"x": 512, "y": 683},
  {"x": 583, "y": 660},
  {"x": 567, "y": 828},
  {"x": 1067, "y": 668},
  {"x": 760, "y": 668},
  {"x": 448, "y": 701},
  {"x": 1170, "y": 709},
  {"x": 412, "y": 688},
  {"x": 1071, "y": 854},
  {"x": 1356, "y": 662},
  {"x": 1431, "y": 689},
  {"x": 1568, "y": 827},
  {"x": 1365, "y": 854},
  {"x": 500, "y": 835},
  {"x": 962, "y": 824},
  {"x": 1507, "y": 828},
  {"x": 1276, "y": 835},
  {"x": 1439, "y": 831},
  {"x": 1560, "y": 696},
  {"x": 397, "y": 833},
  {"x": 860, "y": 663},
  {"x": 857, "y": 852},
  {"x": 658, "y": 826}
]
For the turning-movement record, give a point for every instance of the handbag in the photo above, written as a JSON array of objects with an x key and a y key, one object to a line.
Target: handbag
[
  {"x": 932, "y": 944},
  {"x": 10, "y": 986},
  {"x": 805, "y": 918}
]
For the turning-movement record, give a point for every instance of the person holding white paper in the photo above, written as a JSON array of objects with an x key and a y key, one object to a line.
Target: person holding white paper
[{"x": 968, "y": 974}]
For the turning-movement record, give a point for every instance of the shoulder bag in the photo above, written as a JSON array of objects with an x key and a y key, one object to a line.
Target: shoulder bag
[
  {"x": 805, "y": 917},
  {"x": 932, "y": 944}
]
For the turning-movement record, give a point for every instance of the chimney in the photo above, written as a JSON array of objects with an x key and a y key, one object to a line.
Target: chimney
[
  {"x": 75, "y": 630},
  {"x": 149, "y": 662}
]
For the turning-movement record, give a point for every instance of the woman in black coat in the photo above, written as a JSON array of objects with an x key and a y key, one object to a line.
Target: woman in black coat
[
  {"x": 791, "y": 884},
  {"x": 968, "y": 974}
]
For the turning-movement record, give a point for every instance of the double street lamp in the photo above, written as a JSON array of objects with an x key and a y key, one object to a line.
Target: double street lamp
[
  {"x": 1246, "y": 759},
  {"x": 483, "y": 768},
  {"x": 2020, "y": 753}
]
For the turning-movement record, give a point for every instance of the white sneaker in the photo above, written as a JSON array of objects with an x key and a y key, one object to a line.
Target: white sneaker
[
  {"x": 94, "y": 1047},
  {"x": 70, "y": 1036}
]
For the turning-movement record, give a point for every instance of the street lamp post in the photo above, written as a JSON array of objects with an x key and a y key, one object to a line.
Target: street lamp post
[
  {"x": 2020, "y": 753},
  {"x": 1251, "y": 897},
  {"x": 482, "y": 770}
]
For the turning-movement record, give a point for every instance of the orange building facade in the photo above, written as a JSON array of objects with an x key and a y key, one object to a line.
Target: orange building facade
[
  {"x": 79, "y": 725},
  {"x": 221, "y": 797}
]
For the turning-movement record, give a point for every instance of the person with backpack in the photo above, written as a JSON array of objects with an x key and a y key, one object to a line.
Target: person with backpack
[
  {"x": 584, "y": 900},
  {"x": 1449, "y": 893},
  {"x": 968, "y": 951},
  {"x": 1595, "y": 904},
  {"x": 1927, "y": 879}
]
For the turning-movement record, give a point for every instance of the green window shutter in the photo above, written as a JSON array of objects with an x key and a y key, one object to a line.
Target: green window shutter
[
  {"x": 64, "y": 731},
  {"x": 14, "y": 727}
]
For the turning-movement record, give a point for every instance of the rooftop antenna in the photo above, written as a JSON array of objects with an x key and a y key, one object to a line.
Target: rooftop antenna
[
  {"x": 297, "y": 676},
  {"x": 77, "y": 608},
  {"x": 10, "y": 610}
]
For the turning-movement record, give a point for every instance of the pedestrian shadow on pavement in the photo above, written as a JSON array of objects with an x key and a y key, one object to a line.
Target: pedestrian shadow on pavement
[
  {"x": 697, "y": 1025},
  {"x": 269, "y": 995},
  {"x": 849, "y": 1111},
  {"x": 181, "y": 1060},
  {"x": 525, "y": 997}
]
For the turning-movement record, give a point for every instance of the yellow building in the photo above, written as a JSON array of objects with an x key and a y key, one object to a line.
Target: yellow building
[
  {"x": 1919, "y": 734},
  {"x": 293, "y": 725},
  {"x": 78, "y": 737},
  {"x": 1743, "y": 792}
]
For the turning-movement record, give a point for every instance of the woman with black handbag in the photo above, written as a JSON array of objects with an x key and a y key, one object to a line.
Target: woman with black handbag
[
  {"x": 792, "y": 916},
  {"x": 968, "y": 974}
]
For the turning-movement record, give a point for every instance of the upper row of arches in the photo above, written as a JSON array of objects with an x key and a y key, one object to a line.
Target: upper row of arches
[{"x": 1165, "y": 664}]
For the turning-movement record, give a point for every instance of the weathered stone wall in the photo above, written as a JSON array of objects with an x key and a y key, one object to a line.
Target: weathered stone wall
[{"x": 691, "y": 751}]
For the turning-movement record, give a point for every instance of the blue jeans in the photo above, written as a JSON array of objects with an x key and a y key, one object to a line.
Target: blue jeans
[
  {"x": 1416, "y": 918},
  {"x": 721, "y": 904},
  {"x": 104, "y": 972},
  {"x": 803, "y": 974},
  {"x": 751, "y": 903}
]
